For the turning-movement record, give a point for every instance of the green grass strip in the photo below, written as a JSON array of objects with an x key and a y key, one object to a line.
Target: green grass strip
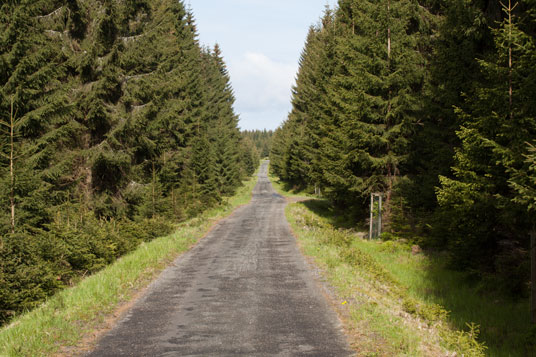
[
  {"x": 66, "y": 318},
  {"x": 391, "y": 321}
]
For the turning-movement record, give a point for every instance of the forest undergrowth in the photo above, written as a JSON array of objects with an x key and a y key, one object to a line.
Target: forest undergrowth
[{"x": 64, "y": 322}]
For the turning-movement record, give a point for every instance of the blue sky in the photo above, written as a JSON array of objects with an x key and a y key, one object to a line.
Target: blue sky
[{"x": 261, "y": 41}]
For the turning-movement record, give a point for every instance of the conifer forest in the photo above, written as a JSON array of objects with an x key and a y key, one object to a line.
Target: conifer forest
[
  {"x": 115, "y": 123},
  {"x": 432, "y": 105},
  {"x": 262, "y": 139}
]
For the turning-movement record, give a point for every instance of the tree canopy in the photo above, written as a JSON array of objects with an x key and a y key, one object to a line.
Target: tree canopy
[
  {"x": 116, "y": 123},
  {"x": 429, "y": 104}
]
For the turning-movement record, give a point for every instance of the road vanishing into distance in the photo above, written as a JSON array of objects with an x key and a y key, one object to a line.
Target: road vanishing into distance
[{"x": 243, "y": 290}]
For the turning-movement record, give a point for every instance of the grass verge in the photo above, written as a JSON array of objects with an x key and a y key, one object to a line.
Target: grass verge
[
  {"x": 381, "y": 314},
  {"x": 410, "y": 304},
  {"x": 503, "y": 323},
  {"x": 67, "y": 318}
]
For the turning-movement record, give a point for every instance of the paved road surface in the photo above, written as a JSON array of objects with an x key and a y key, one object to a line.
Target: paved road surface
[{"x": 244, "y": 290}]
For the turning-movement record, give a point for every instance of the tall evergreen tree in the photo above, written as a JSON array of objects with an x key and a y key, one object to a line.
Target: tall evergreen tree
[
  {"x": 494, "y": 137},
  {"x": 115, "y": 107},
  {"x": 32, "y": 66},
  {"x": 224, "y": 123},
  {"x": 374, "y": 97}
]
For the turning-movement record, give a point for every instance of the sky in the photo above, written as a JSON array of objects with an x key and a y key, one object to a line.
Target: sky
[{"x": 261, "y": 42}]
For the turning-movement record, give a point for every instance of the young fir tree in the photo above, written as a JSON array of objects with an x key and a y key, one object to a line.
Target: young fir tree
[{"x": 480, "y": 199}]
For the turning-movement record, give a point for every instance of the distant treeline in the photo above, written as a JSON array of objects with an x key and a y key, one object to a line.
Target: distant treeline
[
  {"x": 430, "y": 103},
  {"x": 262, "y": 140},
  {"x": 115, "y": 123}
]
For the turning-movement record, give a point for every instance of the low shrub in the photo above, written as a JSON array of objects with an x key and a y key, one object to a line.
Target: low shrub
[{"x": 34, "y": 265}]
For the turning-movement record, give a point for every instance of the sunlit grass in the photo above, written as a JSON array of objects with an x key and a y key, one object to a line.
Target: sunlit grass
[
  {"x": 411, "y": 304},
  {"x": 71, "y": 314},
  {"x": 424, "y": 279},
  {"x": 380, "y": 331},
  {"x": 504, "y": 323},
  {"x": 372, "y": 277}
]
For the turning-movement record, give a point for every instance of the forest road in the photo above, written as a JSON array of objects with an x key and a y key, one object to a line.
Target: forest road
[{"x": 244, "y": 290}]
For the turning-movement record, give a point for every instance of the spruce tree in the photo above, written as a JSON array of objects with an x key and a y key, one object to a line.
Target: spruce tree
[
  {"x": 113, "y": 111},
  {"x": 33, "y": 66},
  {"x": 494, "y": 137},
  {"x": 296, "y": 151},
  {"x": 373, "y": 98},
  {"x": 223, "y": 122},
  {"x": 305, "y": 94},
  {"x": 261, "y": 139},
  {"x": 249, "y": 157}
]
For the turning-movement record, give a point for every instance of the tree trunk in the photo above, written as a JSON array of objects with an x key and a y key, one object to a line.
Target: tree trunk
[
  {"x": 510, "y": 64},
  {"x": 390, "y": 168},
  {"x": 388, "y": 33},
  {"x": 389, "y": 53}
]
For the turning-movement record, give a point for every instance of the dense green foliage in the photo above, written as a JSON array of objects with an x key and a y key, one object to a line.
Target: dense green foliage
[
  {"x": 262, "y": 140},
  {"x": 431, "y": 104},
  {"x": 118, "y": 123}
]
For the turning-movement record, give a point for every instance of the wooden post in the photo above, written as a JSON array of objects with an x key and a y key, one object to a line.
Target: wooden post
[
  {"x": 371, "y": 214},
  {"x": 173, "y": 202},
  {"x": 380, "y": 215},
  {"x": 373, "y": 233},
  {"x": 11, "y": 167},
  {"x": 533, "y": 276},
  {"x": 154, "y": 193}
]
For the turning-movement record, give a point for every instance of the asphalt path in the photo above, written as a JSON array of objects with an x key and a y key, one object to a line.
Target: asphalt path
[{"x": 243, "y": 290}]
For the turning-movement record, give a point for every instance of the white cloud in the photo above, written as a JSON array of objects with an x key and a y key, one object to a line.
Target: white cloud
[
  {"x": 261, "y": 42},
  {"x": 261, "y": 84}
]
